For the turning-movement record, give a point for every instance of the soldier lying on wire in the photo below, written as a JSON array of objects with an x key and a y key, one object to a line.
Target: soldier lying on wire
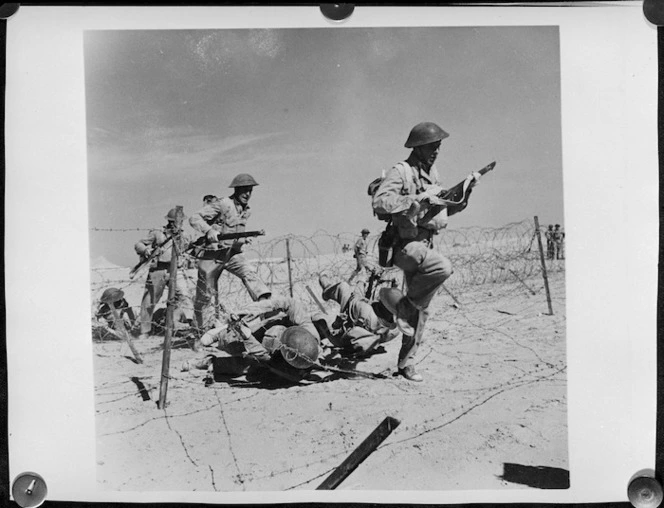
[
  {"x": 361, "y": 325},
  {"x": 277, "y": 334}
]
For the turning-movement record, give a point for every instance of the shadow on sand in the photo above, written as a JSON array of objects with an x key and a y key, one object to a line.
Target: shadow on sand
[{"x": 539, "y": 477}]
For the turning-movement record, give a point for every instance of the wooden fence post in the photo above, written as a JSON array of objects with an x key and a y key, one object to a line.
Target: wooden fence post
[
  {"x": 360, "y": 453},
  {"x": 290, "y": 274},
  {"x": 172, "y": 282},
  {"x": 541, "y": 251}
]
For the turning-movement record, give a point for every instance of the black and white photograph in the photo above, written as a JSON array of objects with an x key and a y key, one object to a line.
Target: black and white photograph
[{"x": 353, "y": 257}]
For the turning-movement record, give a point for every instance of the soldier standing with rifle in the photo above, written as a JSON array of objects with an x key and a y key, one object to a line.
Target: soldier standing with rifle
[
  {"x": 219, "y": 217},
  {"x": 410, "y": 193},
  {"x": 156, "y": 249},
  {"x": 361, "y": 251}
]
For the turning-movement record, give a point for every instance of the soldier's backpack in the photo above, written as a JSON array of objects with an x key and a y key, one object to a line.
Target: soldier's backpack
[
  {"x": 404, "y": 171},
  {"x": 388, "y": 236}
]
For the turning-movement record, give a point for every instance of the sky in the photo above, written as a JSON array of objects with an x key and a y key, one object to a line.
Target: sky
[{"x": 314, "y": 115}]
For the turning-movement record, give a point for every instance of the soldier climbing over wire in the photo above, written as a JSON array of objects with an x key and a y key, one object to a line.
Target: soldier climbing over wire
[
  {"x": 224, "y": 215},
  {"x": 411, "y": 196}
]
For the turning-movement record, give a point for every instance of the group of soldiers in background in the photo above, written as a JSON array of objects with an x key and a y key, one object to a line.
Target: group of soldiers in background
[
  {"x": 277, "y": 326},
  {"x": 555, "y": 242}
]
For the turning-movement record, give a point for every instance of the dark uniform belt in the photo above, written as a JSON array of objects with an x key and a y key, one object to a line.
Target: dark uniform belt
[
  {"x": 218, "y": 254},
  {"x": 161, "y": 265},
  {"x": 424, "y": 235}
]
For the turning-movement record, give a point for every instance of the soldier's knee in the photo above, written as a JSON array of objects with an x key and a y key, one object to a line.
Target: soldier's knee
[{"x": 446, "y": 269}]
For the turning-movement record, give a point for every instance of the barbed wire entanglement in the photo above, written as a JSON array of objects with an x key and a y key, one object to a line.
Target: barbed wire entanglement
[{"x": 291, "y": 263}]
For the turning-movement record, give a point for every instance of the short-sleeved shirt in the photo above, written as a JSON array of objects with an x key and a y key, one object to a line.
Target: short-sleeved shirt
[
  {"x": 227, "y": 214},
  {"x": 396, "y": 194}
]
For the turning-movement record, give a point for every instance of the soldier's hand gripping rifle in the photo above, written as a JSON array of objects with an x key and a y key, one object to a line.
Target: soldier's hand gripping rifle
[
  {"x": 145, "y": 262},
  {"x": 197, "y": 247},
  {"x": 454, "y": 199}
]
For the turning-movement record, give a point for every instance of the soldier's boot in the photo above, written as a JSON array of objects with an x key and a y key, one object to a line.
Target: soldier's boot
[
  {"x": 408, "y": 371},
  {"x": 407, "y": 316}
]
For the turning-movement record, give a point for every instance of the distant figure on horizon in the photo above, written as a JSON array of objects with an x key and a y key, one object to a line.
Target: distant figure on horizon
[
  {"x": 559, "y": 242},
  {"x": 360, "y": 253},
  {"x": 550, "y": 247}
]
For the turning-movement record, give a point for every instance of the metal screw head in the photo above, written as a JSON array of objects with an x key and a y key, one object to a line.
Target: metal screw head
[
  {"x": 337, "y": 12},
  {"x": 29, "y": 490},
  {"x": 645, "y": 492}
]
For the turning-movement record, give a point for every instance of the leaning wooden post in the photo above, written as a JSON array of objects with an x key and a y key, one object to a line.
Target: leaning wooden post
[
  {"x": 172, "y": 282},
  {"x": 316, "y": 300},
  {"x": 360, "y": 453},
  {"x": 117, "y": 320},
  {"x": 541, "y": 251},
  {"x": 290, "y": 274}
]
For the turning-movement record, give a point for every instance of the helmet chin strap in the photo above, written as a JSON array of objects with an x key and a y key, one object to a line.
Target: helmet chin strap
[{"x": 421, "y": 162}]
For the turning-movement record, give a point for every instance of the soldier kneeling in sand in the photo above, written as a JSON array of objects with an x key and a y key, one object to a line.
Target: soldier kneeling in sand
[{"x": 113, "y": 298}]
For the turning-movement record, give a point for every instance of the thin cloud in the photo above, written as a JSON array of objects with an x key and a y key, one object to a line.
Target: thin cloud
[{"x": 170, "y": 153}]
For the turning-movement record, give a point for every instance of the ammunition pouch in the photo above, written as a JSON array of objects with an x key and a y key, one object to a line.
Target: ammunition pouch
[{"x": 386, "y": 244}]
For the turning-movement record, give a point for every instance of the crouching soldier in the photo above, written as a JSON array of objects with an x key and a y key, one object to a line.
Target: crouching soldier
[{"x": 114, "y": 298}]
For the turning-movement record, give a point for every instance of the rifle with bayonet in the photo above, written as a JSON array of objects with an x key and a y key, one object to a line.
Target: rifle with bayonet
[
  {"x": 454, "y": 199},
  {"x": 146, "y": 262},
  {"x": 198, "y": 246}
]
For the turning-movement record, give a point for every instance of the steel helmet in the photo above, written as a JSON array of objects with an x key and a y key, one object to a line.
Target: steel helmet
[
  {"x": 365, "y": 231},
  {"x": 243, "y": 180},
  {"x": 425, "y": 133},
  {"x": 383, "y": 313},
  {"x": 299, "y": 347},
  {"x": 112, "y": 295},
  {"x": 171, "y": 214},
  {"x": 390, "y": 297}
]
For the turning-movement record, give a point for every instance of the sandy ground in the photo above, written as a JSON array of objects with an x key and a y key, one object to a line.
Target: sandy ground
[{"x": 492, "y": 411}]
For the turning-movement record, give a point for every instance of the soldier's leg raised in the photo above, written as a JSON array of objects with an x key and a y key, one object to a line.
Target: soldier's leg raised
[
  {"x": 425, "y": 271},
  {"x": 238, "y": 266}
]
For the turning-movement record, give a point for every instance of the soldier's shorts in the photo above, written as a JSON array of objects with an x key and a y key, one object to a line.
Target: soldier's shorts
[{"x": 424, "y": 269}]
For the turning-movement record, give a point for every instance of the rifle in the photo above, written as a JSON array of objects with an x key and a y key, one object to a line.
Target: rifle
[
  {"x": 349, "y": 372},
  {"x": 455, "y": 197},
  {"x": 198, "y": 246},
  {"x": 144, "y": 263}
]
